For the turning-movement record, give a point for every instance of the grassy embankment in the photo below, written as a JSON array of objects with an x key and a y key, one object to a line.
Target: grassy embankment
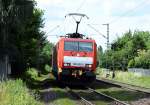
[
  {"x": 34, "y": 79},
  {"x": 127, "y": 77},
  {"x": 56, "y": 95},
  {"x": 15, "y": 92},
  {"x": 61, "y": 97}
]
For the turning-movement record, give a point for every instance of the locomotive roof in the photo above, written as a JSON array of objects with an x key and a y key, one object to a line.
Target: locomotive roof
[{"x": 77, "y": 39}]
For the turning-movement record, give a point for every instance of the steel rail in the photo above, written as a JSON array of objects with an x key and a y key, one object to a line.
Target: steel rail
[
  {"x": 109, "y": 97},
  {"x": 124, "y": 85},
  {"x": 74, "y": 94}
]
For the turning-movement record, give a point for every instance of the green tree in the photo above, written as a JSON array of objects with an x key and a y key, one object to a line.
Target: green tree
[
  {"x": 124, "y": 51},
  {"x": 100, "y": 55},
  {"x": 46, "y": 54},
  {"x": 141, "y": 61},
  {"x": 13, "y": 14},
  {"x": 22, "y": 38},
  {"x": 32, "y": 39}
]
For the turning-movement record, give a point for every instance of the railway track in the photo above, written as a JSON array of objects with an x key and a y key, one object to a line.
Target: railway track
[
  {"x": 124, "y": 85},
  {"x": 94, "y": 96},
  {"x": 115, "y": 101},
  {"x": 107, "y": 100},
  {"x": 77, "y": 96}
]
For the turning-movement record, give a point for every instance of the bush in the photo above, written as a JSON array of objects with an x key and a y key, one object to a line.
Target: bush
[
  {"x": 15, "y": 92},
  {"x": 142, "y": 61},
  {"x": 47, "y": 69},
  {"x": 131, "y": 63},
  {"x": 31, "y": 73}
]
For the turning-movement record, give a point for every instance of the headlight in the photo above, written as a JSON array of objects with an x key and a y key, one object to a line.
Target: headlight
[
  {"x": 88, "y": 65},
  {"x": 67, "y": 64}
]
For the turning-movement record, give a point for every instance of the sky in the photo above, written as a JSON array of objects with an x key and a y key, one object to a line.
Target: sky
[{"x": 122, "y": 15}]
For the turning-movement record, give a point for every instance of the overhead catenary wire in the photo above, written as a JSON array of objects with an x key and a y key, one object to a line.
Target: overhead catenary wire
[
  {"x": 81, "y": 5},
  {"x": 97, "y": 31},
  {"x": 63, "y": 26},
  {"x": 138, "y": 6},
  {"x": 58, "y": 26},
  {"x": 141, "y": 4},
  {"x": 53, "y": 29}
]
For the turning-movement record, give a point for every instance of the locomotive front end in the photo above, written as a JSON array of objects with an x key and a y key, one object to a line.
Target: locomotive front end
[{"x": 79, "y": 59}]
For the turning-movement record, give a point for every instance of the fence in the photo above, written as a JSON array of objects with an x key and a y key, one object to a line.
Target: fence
[{"x": 140, "y": 71}]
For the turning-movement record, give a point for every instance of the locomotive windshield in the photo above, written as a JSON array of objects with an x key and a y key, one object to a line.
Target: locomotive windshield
[
  {"x": 71, "y": 46},
  {"x": 78, "y": 46}
]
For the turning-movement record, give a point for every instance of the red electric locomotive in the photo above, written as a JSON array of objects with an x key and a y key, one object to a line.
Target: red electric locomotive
[{"x": 75, "y": 57}]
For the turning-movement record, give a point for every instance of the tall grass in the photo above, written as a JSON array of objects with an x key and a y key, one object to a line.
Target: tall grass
[
  {"x": 127, "y": 77},
  {"x": 14, "y": 92}
]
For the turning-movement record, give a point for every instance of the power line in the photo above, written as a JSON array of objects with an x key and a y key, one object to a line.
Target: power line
[
  {"x": 53, "y": 29},
  {"x": 97, "y": 31},
  {"x": 56, "y": 27},
  {"x": 129, "y": 11},
  {"x": 81, "y": 5}
]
